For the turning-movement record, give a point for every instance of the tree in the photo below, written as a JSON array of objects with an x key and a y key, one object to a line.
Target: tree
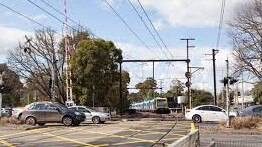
[
  {"x": 257, "y": 92},
  {"x": 246, "y": 34},
  {"x": 13, "y": 87},
  {"x": 201, "y": 97},
  {"x": 41, "y": 55},
  {"x": 175, "y": 90},
  {"x": 95, "y": 70},
  {"x": 146, "y": 89}
]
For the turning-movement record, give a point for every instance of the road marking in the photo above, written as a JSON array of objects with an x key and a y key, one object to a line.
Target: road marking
[
  {"x": 5, "y": 143},
  {"x": 70, "y": 140},
  {"x": 23, "y": 132},
  {"x": 118, "y": 136}
]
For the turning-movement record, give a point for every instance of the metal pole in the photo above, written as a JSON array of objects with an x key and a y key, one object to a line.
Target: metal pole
[
  {"x": 242, "y": 91},
  {"x": 1, "y": 83},
  {"x": 153, "y": 95},
  {"x": 227, "y": 94},
  {"x": 187, "y": 56},
  {"x": 189, "y": 89},
  {"x": 120, "y": 89},
  {"x": 214, "y": 71}
]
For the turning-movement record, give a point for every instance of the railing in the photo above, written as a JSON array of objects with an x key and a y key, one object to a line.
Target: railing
[
  {"x": 216, "y": 143},
  {"x": 190, "y": 140}
]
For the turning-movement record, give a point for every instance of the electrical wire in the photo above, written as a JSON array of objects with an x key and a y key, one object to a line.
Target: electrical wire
[
  {"x": 28, "y": 18},
  {"x": 51, "y": 15},
  {"x": 220, "y": 22},
  {"x": 121, "y": 18},
  {"x": 64, "y": 15},
  {"x": 147, "y": 28},
  {"x": 161, "y": 39}
]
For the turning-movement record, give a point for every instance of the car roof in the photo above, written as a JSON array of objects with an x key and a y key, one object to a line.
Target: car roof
[
  {"x": 206, "y": 105},
  {"x": 251, "y": 107}
]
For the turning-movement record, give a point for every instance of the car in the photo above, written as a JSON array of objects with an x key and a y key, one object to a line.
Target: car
[
  {"x": 50, "y": 112},
  {"x": 255, "y": 110},
  {"x": 6, "y": 112},
  {"x": 206, "y": 113},
  {"x": 92, "y": 115}
]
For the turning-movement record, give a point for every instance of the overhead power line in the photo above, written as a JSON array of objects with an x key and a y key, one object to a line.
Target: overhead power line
[
  {"x": 51, "y": 15},
  {"x": 148, "y": 28},
  {"x": 86, "y": 29},
  {"x": 139, "y": 38},
  {"x": 161, "y": 39},
  {"x": 27, "y": 17},
  {"x": 220, "y": 22}
]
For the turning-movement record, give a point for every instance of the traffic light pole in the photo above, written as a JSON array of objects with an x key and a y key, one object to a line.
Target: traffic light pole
[
  {"x": 227, "y": 94},
  {"x": 188, "y": 77}
]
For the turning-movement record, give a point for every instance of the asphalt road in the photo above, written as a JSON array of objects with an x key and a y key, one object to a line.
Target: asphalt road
[{"x": 112, "y": 133}]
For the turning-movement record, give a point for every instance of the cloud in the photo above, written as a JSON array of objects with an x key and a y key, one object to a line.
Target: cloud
[
  {"x": 189, "y": 13},
  {"x": 10, "y": 38}
]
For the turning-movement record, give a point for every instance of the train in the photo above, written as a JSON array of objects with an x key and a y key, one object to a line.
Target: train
[{"x": 156, "y": 105}]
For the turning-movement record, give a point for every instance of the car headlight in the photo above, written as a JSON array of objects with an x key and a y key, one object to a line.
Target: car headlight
[{"x": 77, "y": 113}]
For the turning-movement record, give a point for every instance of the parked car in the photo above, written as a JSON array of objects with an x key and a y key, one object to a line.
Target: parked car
[
  {"x": 6, "y": 112},
  {"x": 17, "y": 112},
  {"x": 49, "y": 112},
  {"x": 92, "y": 115},
  {"x": 255, "y": 110},
  {"x": 206, "y": 113}
]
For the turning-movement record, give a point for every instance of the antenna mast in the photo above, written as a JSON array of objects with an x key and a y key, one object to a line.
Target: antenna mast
[{"x": 68, "y": 49}]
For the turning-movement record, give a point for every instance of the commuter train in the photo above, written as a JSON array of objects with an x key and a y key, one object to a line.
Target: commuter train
[{"x": 157, "y": 105}]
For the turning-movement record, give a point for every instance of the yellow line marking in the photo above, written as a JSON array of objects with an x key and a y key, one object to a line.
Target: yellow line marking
[
  {"x": 5, "y": 143},
  {"x": 123, "y": 143},
  {"x": 70, "y": 140},
  {"x": 118, "y": 136},
  {"x": 23, "y": 132}
]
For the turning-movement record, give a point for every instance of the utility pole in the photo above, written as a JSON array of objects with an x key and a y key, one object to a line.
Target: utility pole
[
  {"x": 1, "y": 83},
  {"x": 214, "y": 52},
  {"x": 188, "y": 74}
]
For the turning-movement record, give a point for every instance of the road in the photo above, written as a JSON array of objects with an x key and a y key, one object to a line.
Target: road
[{"x": 112, "y": 133}]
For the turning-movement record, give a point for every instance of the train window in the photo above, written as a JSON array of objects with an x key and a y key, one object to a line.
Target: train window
[{"x": 161, "y": 103}]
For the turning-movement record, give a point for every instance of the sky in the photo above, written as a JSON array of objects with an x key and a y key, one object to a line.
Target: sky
[{"x": 173, "y": 20}]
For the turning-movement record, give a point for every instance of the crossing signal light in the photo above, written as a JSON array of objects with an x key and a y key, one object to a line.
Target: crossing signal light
[{"x": 232, "y": 80}]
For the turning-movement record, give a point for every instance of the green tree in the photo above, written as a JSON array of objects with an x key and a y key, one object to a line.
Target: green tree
[
  {"x": 95, "y": 70},
  {"x": 201, "y": 97},
  {"x": 257, "y": 92},
  {"x": 146, "y": 89},
  {"x": 175, "y": 90},
  {"x": 12, "y": 83}
]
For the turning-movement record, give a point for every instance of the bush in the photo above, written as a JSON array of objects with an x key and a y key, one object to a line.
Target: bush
[
  {"x": 10, "y": 120},
  {"x": 246, "y": 122}
]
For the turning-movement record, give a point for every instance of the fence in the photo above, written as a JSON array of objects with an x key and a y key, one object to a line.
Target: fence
[
  {"x": 190, "y": 140},
  {"x": 216, "y": 143}
]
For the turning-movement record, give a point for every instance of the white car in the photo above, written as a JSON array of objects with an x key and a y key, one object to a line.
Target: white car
[
  {"x": 206, "y": 113},
  {"x": 92, "y": 115}
]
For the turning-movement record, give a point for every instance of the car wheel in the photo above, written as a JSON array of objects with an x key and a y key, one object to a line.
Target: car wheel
[
  {"x": 67, "y": 121},
  {"x": 96, "y": 119},
  {"x": 196, "y": 118},
  {"x": 30, "y": 121},
  {"x": 41, "y": 124}
]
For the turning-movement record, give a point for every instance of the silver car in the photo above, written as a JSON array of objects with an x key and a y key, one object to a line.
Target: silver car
[
  {"x": 255, "y": 110},
  {"x": 92, "y": 115}
]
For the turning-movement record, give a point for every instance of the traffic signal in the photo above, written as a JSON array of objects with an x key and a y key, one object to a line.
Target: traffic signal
[{"x": 231, "y": 82}]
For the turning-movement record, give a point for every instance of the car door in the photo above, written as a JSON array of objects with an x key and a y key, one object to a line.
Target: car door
[
  {"x": 38, "y": 112},
  {"x": 52, "y": 113},
  {"x": 86, "y": 112},
  {"x": 218, "y": 114},
  {"x": 205, "y": 113}
]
